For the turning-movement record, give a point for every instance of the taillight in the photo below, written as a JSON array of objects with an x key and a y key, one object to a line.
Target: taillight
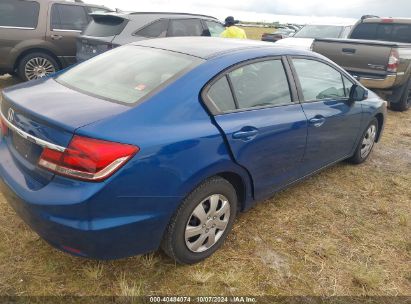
[
  {"x": 4, "y": 127},
  {"x": 87, "y": 158},
  {"x": 393, "y": 61}
]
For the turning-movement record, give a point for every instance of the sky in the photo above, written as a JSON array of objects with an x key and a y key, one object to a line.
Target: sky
[{"x": 292, "y": 11}]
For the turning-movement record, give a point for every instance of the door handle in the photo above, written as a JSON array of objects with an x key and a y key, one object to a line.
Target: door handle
[
  {"x": 349, "y": 51},
  {"x": 56, "y": 37},
  {"x": 317, "y": 121},
  {"x": 246, "y": 133}
]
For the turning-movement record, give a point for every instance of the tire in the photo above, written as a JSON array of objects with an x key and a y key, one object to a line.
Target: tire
[
  {"x": 405, "y": 101},
  {"x": 36, "y": 65},
  {"x": 366, "y": 143},
  {"x": 192, "y": 248}
]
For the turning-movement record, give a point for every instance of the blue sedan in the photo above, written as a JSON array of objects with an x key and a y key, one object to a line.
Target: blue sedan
[{"x": 162, "y": 143}]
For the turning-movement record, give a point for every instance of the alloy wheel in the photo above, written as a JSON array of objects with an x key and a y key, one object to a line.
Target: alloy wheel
[
  {"x": 368, "y": 141},
  {"x": 38, "y": 67},
  {"x": 207, "y": 223}
]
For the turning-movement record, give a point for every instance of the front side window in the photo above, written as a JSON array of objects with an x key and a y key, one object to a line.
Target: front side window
[
  {"x": 68, "y": 17},
  {"x": 319, "y": 81},
  {"x": 215, "y": 28},
  {"x": 110, "y": 77},
  {"x": 261, "y": 84},
  {"x": 185, "y": 27},
  {"x": 22, "y": 14},
  {"x": 155, "y": 29}
]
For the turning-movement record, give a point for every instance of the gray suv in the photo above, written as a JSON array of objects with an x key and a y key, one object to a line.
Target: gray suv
[
  {"x": 110, "y": 30},
  {"x": 38, "y": 37}
]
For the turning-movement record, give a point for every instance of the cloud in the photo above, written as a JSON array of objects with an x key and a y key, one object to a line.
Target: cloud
[{"x": 273, "y": 10}]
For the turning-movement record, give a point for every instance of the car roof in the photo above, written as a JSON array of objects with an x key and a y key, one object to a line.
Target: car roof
[
  {"x": 387, "y": 20},
  {"x": 210, "y": 47},
  {"x": 74, "y": 2},
  {"x": 136, "y": 15}
]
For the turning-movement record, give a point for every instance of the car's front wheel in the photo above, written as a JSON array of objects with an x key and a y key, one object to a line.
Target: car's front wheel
[
  {"x": 202, "y": 222},
  {"x": 366, "y": 143}
]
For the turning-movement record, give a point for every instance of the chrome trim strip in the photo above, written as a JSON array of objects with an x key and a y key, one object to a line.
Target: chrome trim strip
[
  {"x": 61, "y": 30},
  {"x": 32, "y": 138},
  {"x": 107, "y": 171},
  {"x": 17, "y": 27}
]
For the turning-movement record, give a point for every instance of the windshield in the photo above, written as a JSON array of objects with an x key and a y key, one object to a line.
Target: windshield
[
  {"x": 319, "y": 31},
  {"x": 128, "y": 73}
]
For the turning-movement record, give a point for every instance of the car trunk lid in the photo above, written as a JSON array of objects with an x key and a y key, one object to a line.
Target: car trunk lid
[{"x": 35, "y": 120}]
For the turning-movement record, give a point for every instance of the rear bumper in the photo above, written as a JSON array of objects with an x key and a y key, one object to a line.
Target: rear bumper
[
  {"x": 103, "y": 239},
  {"x": 379, "y": 83},
  {"x": 85, "y": 219}
]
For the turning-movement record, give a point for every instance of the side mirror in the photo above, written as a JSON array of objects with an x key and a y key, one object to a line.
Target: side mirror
[{"x": 358, "y": 93}]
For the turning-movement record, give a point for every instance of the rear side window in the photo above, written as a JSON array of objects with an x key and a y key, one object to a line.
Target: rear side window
[
  {"x": 261, "y": 84},
  {"x": 319, "y": 81},
  {"x": 215, "y": 28},
  {"x": 155, "y": 29},
  {"x": 105, "y": 26},
  {"x": 110, "y": 77},
  {"x": 68, "y": 17},
  {"x": 220, "y": 94},
  {"x": 23, "y": 14},
  {"x": 185, "y": 27},
  {"x": 366, "y": 31}
]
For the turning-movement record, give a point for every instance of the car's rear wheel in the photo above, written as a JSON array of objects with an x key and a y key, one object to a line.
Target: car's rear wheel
[
  {"x": 36, "y": 65},
  {"x": 366, "y": 143},
  {"x": 405, "y": 101},
  {"x": 202, "y": 222}
]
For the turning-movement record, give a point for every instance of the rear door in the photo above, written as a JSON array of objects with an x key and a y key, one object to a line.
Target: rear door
[
  {"x": 66, "y": 23},
  {"x": 263, "y": 125},
  {"x": 333, "y": 121}
]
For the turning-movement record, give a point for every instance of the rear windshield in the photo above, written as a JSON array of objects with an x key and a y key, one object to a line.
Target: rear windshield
[
  {"x": 319, "y": 31},
  {"x": 105, "y": 26},
  {"x": 128, "y": 73},
  {"x": 23, "y": 14},
  {"x": 383, "y": 32}
]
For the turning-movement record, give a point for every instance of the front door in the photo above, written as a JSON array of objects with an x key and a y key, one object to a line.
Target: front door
[{"x": 333, "y": 121}]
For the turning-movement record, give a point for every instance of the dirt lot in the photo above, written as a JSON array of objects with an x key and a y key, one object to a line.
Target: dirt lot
[{"x": 345, "y": 231}]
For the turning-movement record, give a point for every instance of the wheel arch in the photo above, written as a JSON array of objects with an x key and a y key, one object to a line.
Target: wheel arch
[
  {"x": 380, "y": 119},
  {"x": 235, "y": 175},
  {"x": 35, "y": 50}
]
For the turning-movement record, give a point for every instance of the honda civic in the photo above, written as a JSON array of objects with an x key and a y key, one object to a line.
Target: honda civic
[{"x": 161, "y": 143}]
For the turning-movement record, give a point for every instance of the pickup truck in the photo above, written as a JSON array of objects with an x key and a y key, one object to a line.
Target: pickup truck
[{"x": 378, "y": 53}]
